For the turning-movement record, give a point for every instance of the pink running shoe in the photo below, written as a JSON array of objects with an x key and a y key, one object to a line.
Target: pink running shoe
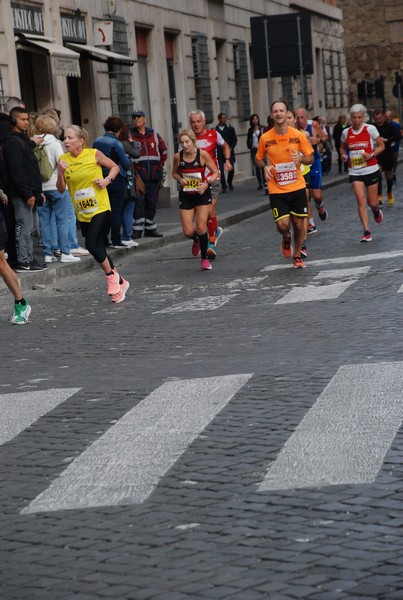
[
  {"x": 205, "y": 264},
  {"x": 195, "y": 248},
  {"x": 378, "y": 216},
  {"x": 367, "y": 237},
  {"x": 112, "y": 281},
  {"x": 121, "y": 294}
]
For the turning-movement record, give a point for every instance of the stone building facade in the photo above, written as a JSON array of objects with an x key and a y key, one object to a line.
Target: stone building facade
[
  {"x": 94, "y": 58},
  {"x": 373, "y": 37}
]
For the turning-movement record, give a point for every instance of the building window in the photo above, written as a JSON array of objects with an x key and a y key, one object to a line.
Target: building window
[
  {"x": 326, "y": 77},
  {"x": 241, "y": 81},
  {"x": 303, "y": 92},
  {"x": 120, "y": 75},
  {"x": 342, "y": 79},
  {"x": 201, "y": 72},
  {"x": 170, "y": 58},
  {"x": 333, "y": 79},
  {"x": 287, "y": 86},
  {"x": 143, "y": 86}
]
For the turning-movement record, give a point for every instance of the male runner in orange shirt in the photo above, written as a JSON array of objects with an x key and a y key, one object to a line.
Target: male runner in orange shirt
[{"x": 286, "y": 149}]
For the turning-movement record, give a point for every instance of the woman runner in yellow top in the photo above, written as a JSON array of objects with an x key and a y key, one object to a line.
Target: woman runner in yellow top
[{"x": 80, "y": 169}]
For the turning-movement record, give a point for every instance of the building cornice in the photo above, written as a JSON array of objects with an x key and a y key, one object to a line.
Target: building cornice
[{"x": 319, "y": 8}]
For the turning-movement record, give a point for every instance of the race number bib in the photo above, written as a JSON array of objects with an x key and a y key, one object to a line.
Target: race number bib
[
  {"x": 193, "y": 180},
  {"x": 85, "y": 201},
  {"x": 357, "y": 159},
  {"x": 286, "y": 173}
]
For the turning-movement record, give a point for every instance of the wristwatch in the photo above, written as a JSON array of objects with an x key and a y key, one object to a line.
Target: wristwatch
[{"x": 110, "y": 178}]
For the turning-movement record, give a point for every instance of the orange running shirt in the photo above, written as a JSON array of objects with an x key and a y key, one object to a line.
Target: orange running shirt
[{"x": 277, "y": 148}]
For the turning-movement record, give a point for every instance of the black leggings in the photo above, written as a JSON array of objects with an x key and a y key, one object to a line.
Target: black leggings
[{"x": 95, "y": 232}]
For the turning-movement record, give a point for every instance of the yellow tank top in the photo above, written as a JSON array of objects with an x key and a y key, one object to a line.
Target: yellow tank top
[
  {"x": 304, "y": 168},
  {"x": 87, "y": 198}
]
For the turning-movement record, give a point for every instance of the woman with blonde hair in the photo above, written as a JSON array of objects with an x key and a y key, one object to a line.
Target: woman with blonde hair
[
  {"x": 189, "y": 167},
  {"x": 80, "y": 169},
  {"x": 56, "y": 202},
  {"x": 32, "y": 116}
]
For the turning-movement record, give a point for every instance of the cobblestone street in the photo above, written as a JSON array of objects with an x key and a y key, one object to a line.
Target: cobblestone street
[{"x": 232, "y": 434}]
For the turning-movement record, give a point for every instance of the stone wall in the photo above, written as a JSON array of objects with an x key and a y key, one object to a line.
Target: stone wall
[{"x": 373, "y": 45}]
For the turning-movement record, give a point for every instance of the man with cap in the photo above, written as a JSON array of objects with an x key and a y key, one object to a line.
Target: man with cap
[{"x": 149, "y": 166}]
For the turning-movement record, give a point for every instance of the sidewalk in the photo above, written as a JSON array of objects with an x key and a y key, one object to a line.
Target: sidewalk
[{"x": 242, "y": 203}]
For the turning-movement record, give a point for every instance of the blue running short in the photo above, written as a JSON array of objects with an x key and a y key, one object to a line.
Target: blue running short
[{"x": 316, "y": 175}]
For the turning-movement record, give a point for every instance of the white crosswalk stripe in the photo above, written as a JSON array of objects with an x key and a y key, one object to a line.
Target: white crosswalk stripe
[
  {"x": 318, "y": 291},
  {"x": 342, "y": 439},
  {"x": 340, "y": 260},
  {"x": 18, "y": 411},
  {"x": 345, "y": 435},
  {"x": 126, "y": 463}
]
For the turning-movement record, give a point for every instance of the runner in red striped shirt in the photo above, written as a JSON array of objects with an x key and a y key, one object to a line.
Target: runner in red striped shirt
[{"x": 208, "y": 140}]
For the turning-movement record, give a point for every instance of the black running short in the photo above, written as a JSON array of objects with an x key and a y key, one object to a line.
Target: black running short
[
  {"x": 385, "y": 160},
  {"x": 367, "y": 180},
  {"x": 190, "y": 201},
  {"x": 290, "y": 203},
  {"x": 3, "y": 234}
]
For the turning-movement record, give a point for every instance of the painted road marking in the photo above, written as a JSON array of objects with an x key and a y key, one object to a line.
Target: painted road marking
[
  {"x": 344, "y": 437},
  {"x": 198, "y": 304},
  {"x": 341, "y": 273},
  {"x": 167, "y": 289},
  {"x": 20, "y": 410},
  {"x": 339, "y": 260},
  {"x": 127, "y": 462},
  {"x": 249, "y": 282},
  {"x": 312, "y": 291},
  {"x": 400, "y": 290}
]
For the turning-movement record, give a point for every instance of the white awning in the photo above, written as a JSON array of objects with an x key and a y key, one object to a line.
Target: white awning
[
  {"x": 63, "y": 61},
  {"x": 102, "y": 55}
]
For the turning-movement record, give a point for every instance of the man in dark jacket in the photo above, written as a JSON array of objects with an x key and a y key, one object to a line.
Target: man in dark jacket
[
  {"x": 150, "y": 166},
  {"x": 228, "y": 133},
  {"x": 389, "y": 135},
  {"x": 6, "y": 127},
  {"x": 23, "y": 186},
  {"x": 110, "y": 145}
]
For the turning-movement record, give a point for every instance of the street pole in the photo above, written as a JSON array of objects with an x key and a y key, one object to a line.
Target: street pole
[
  {"x": 382, "y": 78},
  {"x": 266, "y": 37},
  {"x": 301, "y": 65}
]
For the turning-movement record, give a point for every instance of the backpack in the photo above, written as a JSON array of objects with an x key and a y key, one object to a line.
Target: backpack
[{"x": 44, "y": 163}]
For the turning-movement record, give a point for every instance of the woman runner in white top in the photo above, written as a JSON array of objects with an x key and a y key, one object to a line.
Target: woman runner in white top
[{"x": 359, "y": 145}]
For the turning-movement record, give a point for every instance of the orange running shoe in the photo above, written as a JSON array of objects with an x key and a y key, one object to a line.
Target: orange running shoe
[
  {"x": 286, "y": 247},
  {"x": 298, "y": 263}
]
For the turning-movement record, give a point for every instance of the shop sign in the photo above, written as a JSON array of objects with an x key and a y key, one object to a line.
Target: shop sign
[
  {"x": 67, "y": 67},
  {"x": 27, "y": 19},
  {"x": 103, "y": 33},
  {"x": 73, "y": 28}
]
